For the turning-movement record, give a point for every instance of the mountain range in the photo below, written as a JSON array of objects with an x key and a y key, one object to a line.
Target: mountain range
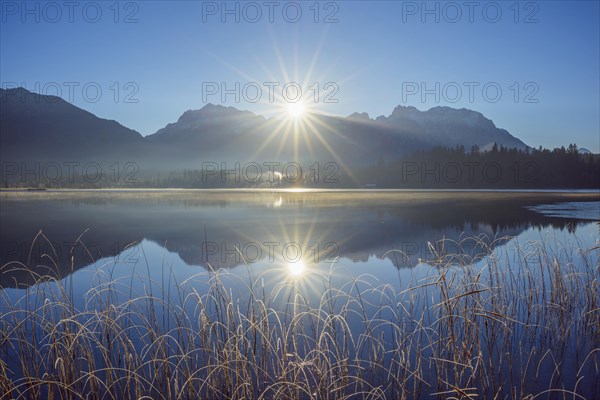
[{"x": 43, "y": 128}]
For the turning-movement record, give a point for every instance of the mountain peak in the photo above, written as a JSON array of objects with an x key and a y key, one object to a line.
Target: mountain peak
[
  {"x": 216, "y": 107},
  {"x": 451, "y": 126},
  {"x": 404, "y": 110},
  {"x": 209, "y": 111},
  {"x": 211, "y": 116},
  {"x": 359, "y": 116},
  {"x": 40, "y": 127},
  {"x": 23, "y": 95}
]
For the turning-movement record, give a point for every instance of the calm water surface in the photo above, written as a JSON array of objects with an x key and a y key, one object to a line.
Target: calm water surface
[
  {"x": 220, "y": 229},
  {"x": 162, "y": 241}
]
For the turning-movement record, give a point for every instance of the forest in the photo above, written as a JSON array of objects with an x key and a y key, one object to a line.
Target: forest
[{"x": 435, "y": 168}]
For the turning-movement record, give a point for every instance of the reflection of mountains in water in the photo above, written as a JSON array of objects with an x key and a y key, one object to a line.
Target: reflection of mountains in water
[
  {"x": 579, "y": 210},
  {"x": 220, "y": 227}
]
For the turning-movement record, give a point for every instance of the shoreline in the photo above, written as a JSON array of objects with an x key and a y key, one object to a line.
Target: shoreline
[{"x": 296, "y": 190}]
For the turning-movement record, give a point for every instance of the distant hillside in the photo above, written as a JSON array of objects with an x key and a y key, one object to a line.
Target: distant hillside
[
  {"x": 46, "y": 128},
  {"x": 450, "y": 127},
  {"x": 225, "y": 133}
]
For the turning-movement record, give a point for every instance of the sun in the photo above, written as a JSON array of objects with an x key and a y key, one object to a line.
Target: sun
[
  {"x": 296, "y": 110},
  {"x": 296, "y": 269}
]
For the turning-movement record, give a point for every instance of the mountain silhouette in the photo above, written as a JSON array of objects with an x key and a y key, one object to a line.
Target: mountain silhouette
[
  {"x": 39, "y": 128},
  {"x": 42, "y": 128}
]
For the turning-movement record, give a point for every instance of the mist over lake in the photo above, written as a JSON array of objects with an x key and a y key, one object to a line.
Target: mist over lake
[{"x": 206, "y": 227}]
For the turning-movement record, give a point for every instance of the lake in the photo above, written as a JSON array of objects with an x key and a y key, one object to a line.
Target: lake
[{"x": 300, "y": 294}]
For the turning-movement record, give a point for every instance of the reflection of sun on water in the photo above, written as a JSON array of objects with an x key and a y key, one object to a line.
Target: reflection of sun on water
[{"x": 296, "y": 269}]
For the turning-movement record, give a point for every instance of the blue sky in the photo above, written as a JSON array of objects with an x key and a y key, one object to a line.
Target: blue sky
[{"x": 543, "y": 57}]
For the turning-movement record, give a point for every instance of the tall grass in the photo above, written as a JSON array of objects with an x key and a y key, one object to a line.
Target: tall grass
[{"x": 523, "y": 323}]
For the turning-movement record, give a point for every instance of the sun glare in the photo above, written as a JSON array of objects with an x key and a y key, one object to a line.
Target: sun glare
[
  {"x": 295, "y": 269},
  {"x": 296, "y": 110}
]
